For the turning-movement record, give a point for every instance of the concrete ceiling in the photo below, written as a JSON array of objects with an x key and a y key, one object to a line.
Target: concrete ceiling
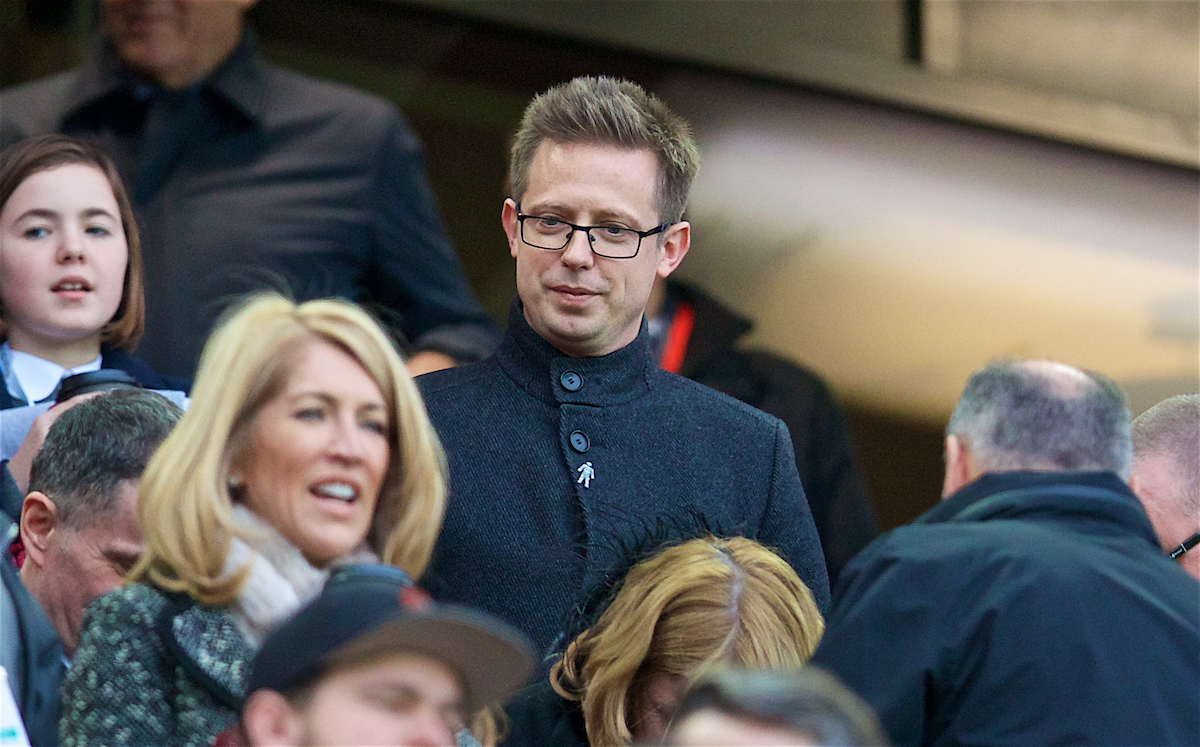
[{"x": 1122, "y": 75}]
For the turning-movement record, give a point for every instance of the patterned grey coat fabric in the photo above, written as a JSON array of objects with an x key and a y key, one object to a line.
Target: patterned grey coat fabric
[
  {"x": 174, "y": 684},
  {"x": 558, "y": 465}
]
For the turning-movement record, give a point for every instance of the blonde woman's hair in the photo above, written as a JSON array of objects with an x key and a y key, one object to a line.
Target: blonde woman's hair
[
  {"x": 184, "y": 507},
  {"x": 690, "y": 607}
]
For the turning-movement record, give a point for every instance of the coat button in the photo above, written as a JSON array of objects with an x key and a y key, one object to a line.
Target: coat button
[
  {"x": 571, "y": 381},
  {"x": 579, "y": 441}
]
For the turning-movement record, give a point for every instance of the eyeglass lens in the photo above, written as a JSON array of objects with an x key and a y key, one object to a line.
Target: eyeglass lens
[{"x": 607, "y": 241}]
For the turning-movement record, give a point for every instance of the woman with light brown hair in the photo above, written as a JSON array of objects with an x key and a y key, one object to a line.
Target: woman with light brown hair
[
  {"x": 306, "y": 446},
  {"x": 679, "y": 612}
]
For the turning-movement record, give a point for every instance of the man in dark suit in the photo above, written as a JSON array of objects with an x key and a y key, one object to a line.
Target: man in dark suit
[
  {"x": 570, "y": 446},
  {"x": 79, "y": 536}
]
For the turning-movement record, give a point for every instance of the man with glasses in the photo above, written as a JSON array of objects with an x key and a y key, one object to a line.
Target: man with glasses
[
  {"x": 570, "y": 443},
  {"x": 1034, "y": 604},
  {"x": 1166, "y": 475}
]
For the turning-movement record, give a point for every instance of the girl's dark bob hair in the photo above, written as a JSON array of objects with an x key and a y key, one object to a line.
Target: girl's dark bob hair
[{"x": 44, "y": 152}]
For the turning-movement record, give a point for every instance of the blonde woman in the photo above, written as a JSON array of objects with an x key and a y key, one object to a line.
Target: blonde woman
[
  {"x": 685, "y": 609},
  {"x": 306, "y": 446}
]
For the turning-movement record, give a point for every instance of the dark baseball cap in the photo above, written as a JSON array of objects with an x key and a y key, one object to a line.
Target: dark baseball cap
[{"x": 376, "y": 610}]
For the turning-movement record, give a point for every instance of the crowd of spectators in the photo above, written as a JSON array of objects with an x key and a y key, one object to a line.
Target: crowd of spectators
[{"x": 375, "y": 529}]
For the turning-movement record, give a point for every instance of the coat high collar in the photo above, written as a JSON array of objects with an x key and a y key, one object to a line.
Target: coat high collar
[
  {"x": 1095, "y": 502},
  {"x": 540, "y": 369}
]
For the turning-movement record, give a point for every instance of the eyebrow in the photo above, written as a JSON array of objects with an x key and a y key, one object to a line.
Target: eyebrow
[
  {"x": 123, "y": 557},
  {"x": 52, "y": 214},
  {"x": 458, "y": 703},
  {"x": 603, "y": 215},
  {"x": 331, "y": 400}
]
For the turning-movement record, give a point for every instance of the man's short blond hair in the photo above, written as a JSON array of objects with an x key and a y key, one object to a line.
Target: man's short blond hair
[{"x": 608, "y": 111}]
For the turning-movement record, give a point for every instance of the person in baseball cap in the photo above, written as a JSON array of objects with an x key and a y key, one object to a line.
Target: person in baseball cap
[{"x": 372, "y": 661}]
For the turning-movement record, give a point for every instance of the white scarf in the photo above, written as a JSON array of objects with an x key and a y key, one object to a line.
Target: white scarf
[{"x": 281, "y": 580}]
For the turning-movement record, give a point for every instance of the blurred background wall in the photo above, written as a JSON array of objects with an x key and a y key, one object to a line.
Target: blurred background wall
[{"x": 896, "y": 190}]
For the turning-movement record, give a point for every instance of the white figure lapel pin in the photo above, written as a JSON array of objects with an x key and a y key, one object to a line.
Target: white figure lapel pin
[{"x": 586, "y": 473}]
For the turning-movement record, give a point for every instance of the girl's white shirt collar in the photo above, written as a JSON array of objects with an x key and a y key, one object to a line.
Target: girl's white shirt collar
[{"x": 38, "y": 377}]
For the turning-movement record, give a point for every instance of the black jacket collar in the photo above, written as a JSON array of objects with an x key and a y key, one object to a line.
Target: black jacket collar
[
  {"x": 720, "y": 327},
  {"x": 538, "y": 367},
  {"x": 1099, "y": 500},
  {"x": 239, "y": 81}
]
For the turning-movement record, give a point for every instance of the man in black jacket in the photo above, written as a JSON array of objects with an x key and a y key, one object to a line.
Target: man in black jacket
[
  {"x": 570, "y": 445},
  {"x": 245, "y": 175},
  {"x": 1033, "y": 605}
]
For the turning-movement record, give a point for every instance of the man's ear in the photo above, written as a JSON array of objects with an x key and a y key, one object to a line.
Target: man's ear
[
  {"x": 269, "y": 721},
  {"x": 674, "y": 248},
  {"x": 1134, "y": 484},
  {"x": 39, "y": 519},
  {"x": 959, "y": 466},
  {"x": 508, "y": 218}
]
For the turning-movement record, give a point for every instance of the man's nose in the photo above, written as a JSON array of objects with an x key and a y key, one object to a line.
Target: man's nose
[{"x": 578, "y": 251}]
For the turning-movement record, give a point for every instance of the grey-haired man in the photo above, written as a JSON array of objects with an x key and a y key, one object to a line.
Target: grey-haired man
[{"x": 1034, "y": 604}]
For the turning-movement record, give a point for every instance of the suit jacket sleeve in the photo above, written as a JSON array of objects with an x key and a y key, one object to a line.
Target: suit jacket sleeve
[
  {"x": 116, "y": 690},
  {"x": 414, "y": 269},
  {"x": 787, "y": 523}
]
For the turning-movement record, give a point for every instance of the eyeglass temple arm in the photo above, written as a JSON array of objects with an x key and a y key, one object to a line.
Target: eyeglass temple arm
[{"x": 1184, "y": 546}]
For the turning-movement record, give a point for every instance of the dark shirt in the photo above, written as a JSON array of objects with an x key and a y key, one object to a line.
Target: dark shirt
[
  {"x": 258, "y": 177},
  {"x": 1029, "y": 608},
  {"x": 528, "y": 533}
]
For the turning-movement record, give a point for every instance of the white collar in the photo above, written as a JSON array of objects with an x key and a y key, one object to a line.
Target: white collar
[
  {"x": 280, "y": 581},
  {"x": 38, "y": 377}
]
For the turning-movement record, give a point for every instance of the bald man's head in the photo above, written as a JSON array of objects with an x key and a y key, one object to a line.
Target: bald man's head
[
  {"x": 1042, "y": 415},
  {"x": 1166, "y": 471}
]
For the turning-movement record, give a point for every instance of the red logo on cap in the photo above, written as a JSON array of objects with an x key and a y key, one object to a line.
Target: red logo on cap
[{"x": 414, "y": 599}]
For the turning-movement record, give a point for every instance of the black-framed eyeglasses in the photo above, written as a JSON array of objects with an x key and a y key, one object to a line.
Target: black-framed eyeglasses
[
  {"x": 613, "y": 242},
  {"x": 1184, "y": 546}
]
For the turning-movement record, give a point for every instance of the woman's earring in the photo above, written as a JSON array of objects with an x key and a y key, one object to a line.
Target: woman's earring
[{"x": 234, "y": 482}]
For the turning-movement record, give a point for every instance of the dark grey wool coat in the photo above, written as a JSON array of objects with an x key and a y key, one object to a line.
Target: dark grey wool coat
[{"x": 527, "y": 532}]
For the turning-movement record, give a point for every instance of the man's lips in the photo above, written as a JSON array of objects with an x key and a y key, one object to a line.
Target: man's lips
[{"x": 574, "y": 290}]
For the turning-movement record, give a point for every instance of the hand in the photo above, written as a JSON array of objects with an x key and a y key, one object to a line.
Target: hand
[
  {"x": 429, "y": 360},
  {"x": 22, "y": 461}
]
